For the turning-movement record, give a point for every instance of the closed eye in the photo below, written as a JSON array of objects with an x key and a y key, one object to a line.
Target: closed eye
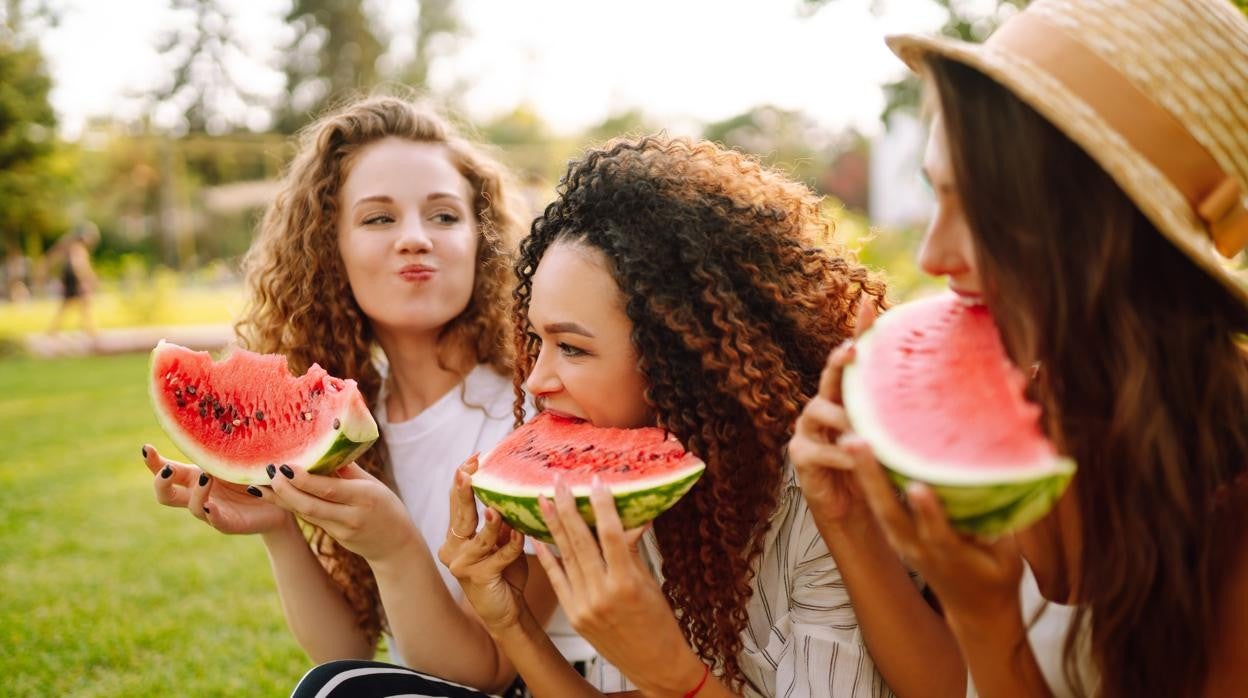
[{"x": 379, "y": 219}]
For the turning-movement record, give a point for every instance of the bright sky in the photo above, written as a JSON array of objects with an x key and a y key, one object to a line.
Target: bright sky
[{"x": 574, "y": 61}]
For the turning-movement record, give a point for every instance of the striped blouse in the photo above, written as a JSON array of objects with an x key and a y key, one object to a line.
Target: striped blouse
[{"x": 802, "y": 638}]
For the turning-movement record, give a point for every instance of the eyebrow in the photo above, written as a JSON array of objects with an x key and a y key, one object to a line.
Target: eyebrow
[
  {"x": 382, "y": 198},
  {"x": 567, "y": 328}
]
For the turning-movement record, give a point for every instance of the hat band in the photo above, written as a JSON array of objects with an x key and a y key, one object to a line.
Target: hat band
[{"x": 1149, "y": 129}]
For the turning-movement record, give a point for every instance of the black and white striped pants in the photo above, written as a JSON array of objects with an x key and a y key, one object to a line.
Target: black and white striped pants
[{"x": 354, "y": 678}]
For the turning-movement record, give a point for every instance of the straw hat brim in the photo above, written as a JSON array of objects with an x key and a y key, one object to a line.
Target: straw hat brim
[{"x": 1154, "y": 194}]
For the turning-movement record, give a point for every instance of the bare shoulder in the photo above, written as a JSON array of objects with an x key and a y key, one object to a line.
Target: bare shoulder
[{"x": 1228, "y": 669}]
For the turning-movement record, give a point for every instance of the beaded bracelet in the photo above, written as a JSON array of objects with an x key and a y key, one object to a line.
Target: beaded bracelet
[{"x": 706, "y": 671}]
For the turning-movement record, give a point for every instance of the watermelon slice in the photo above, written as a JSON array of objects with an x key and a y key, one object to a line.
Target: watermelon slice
[
  {"x": 236, "y": 416},
  {"x": 647, "y": 471},
  {"x": 934, "y": 394}
]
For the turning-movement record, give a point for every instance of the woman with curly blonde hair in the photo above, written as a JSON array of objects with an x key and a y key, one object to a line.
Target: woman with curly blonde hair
[
  {"x": 679, "y": 284},
  {"x": 383, "y": 259}
]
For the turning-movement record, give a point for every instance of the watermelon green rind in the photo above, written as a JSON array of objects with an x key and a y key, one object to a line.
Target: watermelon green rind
[
  {"x": 336, "y": 448},
  {"x": 638, "y": 501},
  {"x": 987, "y": 499}
]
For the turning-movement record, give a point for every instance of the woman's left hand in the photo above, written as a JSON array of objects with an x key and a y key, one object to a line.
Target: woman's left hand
[
  {"x": 353, "y": 507},
  {"x": 976, "y": 580},
  {"x": 609, "y": 595}
]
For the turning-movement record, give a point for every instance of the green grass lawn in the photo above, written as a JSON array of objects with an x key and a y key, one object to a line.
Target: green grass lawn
[{"x": 104, "y": 592}]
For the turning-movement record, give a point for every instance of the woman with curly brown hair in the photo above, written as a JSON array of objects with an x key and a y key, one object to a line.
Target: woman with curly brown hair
[
  {"x": 383, "y": 259},
  {"x": 683, "y": 285}
]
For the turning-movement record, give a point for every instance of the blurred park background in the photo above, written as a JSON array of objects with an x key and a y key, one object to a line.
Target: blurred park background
[{"x": 163, "y": 125}]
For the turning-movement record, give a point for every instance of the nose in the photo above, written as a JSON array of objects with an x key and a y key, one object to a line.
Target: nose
[
  {"x": 542, "y": 380},
  {"x": 413, "y": 238},
  {"x": 942, "y": 252}
]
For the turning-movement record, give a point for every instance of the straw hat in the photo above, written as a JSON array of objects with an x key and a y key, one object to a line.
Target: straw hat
[{"x": 1156, "y": 91}]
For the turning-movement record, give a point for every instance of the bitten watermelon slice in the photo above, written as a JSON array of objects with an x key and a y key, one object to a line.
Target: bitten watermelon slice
[
  {"x": 935, "y": 395},
  {"x": 647, "y": 471},
  {"x": 236, "y": 416}
]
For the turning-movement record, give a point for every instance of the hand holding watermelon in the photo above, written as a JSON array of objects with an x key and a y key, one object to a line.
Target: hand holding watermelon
[
  {"x": 226, "y": 507},
  {"x": 609, "y": 595},
  {"x": 975, "y": 579},
  {"x": 489, "y": 563},
  {"x": 824, "y": 469},
  {"x": 353, "y": 507}
]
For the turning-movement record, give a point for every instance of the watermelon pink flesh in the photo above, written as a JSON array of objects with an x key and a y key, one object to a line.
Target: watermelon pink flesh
[
  {"x": 235, "y": 417},
  {"x": 646, "y": 469},
  {"x": 935, "y": 395}
]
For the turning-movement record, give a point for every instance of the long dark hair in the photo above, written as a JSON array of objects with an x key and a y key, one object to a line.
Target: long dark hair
[
  {"x": 736, "y": 294},
  {"x": 1143, "y": 379}
]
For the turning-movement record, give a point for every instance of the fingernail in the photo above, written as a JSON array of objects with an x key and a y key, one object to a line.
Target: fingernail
[
  {"x": 596, "y": 483},
  {"x": 203, "y": 479},
  {"x": 254, "y": 491},
  {"x": 490, "y": 515},
  {"x": 290, "y": 474},
  {"x": 145, "y": 451},
  {"x": 271, "y": 470},
  {"x": 166, "y": 472}
]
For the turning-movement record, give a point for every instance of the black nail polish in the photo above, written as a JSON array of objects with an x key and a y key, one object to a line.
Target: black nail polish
[
  {"x": 145, "y": 451},
  {"x": 271, "y": 470},
  {"x": 166, "y": 472},
  {"x": 254, "y": 491},
  {"x": 290, "y": 474},
  {"x": 203, "y": 479}
]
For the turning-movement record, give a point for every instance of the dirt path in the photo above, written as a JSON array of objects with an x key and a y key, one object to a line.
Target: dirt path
[{"x": 128, "y": 340}]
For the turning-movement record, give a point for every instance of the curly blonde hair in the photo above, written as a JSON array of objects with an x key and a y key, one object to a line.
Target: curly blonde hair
[
  {"x": 301, "y": 304},
  {"x": 736, "y": 292}
]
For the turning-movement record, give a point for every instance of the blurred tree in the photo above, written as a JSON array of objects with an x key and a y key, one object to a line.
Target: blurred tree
[
  {"x": 1242, "y": 5},
  {"x": 787, "y": 139},
  {"x": 36, "y": 171},
  {"x": 334, "y": 51},
  {"x": 206, "y": 90},
  {"x": 968, "y": 20},
  {"x": 437, "y": 26},
  {"x": 338, "y": 47}
]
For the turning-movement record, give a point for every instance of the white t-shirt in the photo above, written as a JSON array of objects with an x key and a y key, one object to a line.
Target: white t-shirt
[
  {"x": 426, "y": 450},
  {"x": 1047, "y": 636}
]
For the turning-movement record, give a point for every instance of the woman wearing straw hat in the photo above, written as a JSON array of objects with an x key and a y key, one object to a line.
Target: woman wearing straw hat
[{"x": 1091, "y": 167}]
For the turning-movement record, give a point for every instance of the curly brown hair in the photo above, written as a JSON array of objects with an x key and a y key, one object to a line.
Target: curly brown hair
[
  {"x": 1143, "y": 379},
  {"x": 736, "y": 293},
  {"x": 301, "y": 304}
]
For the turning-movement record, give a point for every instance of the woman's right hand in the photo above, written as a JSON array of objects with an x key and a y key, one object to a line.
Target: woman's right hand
[
  {"x": 825, "y": 469},
  {"x": 224, "y": 506},
  {"x": 490, "y": 563}
]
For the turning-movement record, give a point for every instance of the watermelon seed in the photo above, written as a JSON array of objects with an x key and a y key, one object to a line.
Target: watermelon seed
[
  {"x": 190, "y": 389},
  {"x": 307, "y": 416},
  {"x": 237, "y": 422},
  {"x": 217, "y": 411},
  {"x": 225, "y": 427},
  {"x": 203, "y": 411},
  {"x": 181, "y": 402},
  {"x": 337, "y": 423},
  {"x": 259, "y": 416},
  {"x": 587, "y": 448}
]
